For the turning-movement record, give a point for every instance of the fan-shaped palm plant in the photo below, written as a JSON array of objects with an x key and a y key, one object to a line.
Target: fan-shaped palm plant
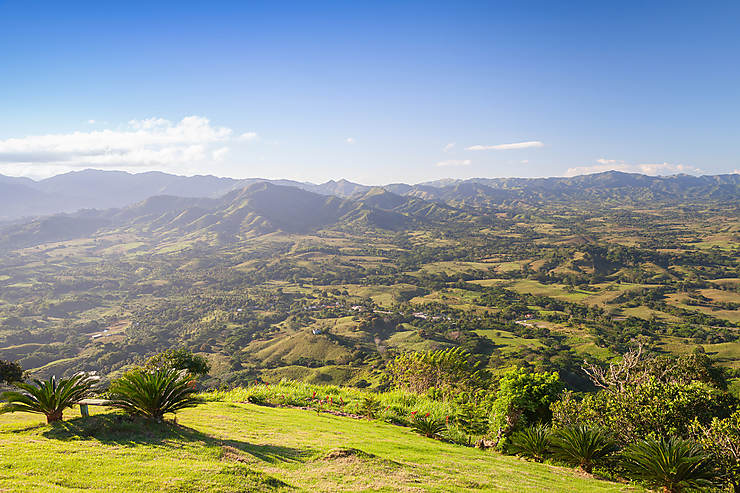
[
  {"x": 672, "y": 464},
  {"x": 583, "y": 446},
  {"x": 428, "y": 426},
  {"x": 153, "y": 393},
  {"x": 50, "y": 397},
  {"x": 533, "y": 442}
]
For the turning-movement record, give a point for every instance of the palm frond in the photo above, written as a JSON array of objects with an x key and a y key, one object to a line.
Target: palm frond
[
  {"x": 671, "y": 463},
  {"x": 154, "y": 393}
]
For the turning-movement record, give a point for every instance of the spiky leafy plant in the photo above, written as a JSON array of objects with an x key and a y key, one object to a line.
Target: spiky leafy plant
[
  {"x": 369, "y": 407},
  {"x": 153, "y": 393},
  {"x": 428, "y": 426},
  {"x": 673, "y": 464},
  {"x": 50, "y": 397},
  {"x": 534, "y": 442},
  {"x": 583, "y": 446}
]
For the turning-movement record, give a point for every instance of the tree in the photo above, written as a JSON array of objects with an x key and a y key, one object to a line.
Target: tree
[
  {"x": 524, "y": 397},
  {"x": 10, "y": 372},
  {"x": 51, "y": 397},
  {"x": 181, "y": 360}
]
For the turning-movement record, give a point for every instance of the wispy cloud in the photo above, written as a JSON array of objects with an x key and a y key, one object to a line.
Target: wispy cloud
[
  {"x": 349, "y": 140},
  {"x": 448, "y": 147},
  {"x": 506, "y": 147},
  {"x": 455, "y": 162},
  {"x": 148, "y": 143},
  {"x": 654, "y": 169}
]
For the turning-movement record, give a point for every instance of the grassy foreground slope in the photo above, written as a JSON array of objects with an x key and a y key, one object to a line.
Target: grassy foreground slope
[{"x": 228, "y": 447}]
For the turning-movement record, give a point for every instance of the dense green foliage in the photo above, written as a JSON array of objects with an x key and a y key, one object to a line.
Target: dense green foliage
[
  {"x": 448, "y": 371},
  {"x": 10, "y": 372},
  {"x": 650, "y": 409},
  {"x": 50, "y": 397},
  {"x": 179, "y": 360},
  {"x": 153, "y": 393},
  {"x": 721, "y": 439},
  {"x": 523, "y": 397}
]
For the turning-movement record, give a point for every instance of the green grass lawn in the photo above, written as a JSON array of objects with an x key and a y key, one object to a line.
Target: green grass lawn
[{"x": 225, "y": 447}]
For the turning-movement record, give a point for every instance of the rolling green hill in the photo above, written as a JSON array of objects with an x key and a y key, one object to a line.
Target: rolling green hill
[{"x": 234, "y": 447}]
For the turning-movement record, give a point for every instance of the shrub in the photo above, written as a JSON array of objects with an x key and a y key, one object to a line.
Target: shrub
[
  {"x": 650, "y": 409},
  {"x": 523, "y": 397},
  {"x": 179, "y": 359},
  {"x": 583, "y": 446},
  {"x": 721, "y": 439},
  {"x": 10, "y": 372},
  {"x": 51, "y": 397},
  {"x": 534, "y": 442},
  {"x": 673, "y": 464},
  {"x": 428, "y": 426},
  {"x": 449, "y": 371},
  {"x": 154, "y": 393}
]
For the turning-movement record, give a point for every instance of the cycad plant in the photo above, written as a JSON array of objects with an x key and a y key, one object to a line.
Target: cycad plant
[
  {"x": 428, "y": 426},
  {"x": 583, "y": 446},
  {"x": 534, "y": 442},
  {"x": 153, "y": 393},
  {"x": 50, "y": 397},
  {"x": 673, "y": 464}
]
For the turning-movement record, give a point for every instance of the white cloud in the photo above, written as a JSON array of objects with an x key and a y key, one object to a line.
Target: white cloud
[
  {"x": 654, "y": 169},
  {"x": 448, "y": 147},
  {"x": 350, "y": 140},
  {"x": 91, "y": 122},
  {"x": 524, "y": 161},
  {"x": 506, "y": 147},
  {"x": 153, "y": 143},
  {"x": 455, "y": 162},
  {"x": 220, "y": 153}
]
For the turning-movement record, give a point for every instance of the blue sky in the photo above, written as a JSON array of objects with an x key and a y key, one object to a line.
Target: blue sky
[{"x": 374, "y": 92}]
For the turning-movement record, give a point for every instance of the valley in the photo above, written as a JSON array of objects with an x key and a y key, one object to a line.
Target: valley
[{"x": 272, "y": 281}]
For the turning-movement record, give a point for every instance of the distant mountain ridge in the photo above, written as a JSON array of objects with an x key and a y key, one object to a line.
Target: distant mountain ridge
[
  {"x": 256, "y": 209},
  {"x": 94, "y": 189}
]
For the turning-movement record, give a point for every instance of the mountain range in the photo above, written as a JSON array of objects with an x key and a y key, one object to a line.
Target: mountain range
[{"x": 94, "y": 189}]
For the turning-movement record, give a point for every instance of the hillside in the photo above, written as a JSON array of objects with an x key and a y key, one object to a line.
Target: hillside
[{"x": 230, "y": 447}]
